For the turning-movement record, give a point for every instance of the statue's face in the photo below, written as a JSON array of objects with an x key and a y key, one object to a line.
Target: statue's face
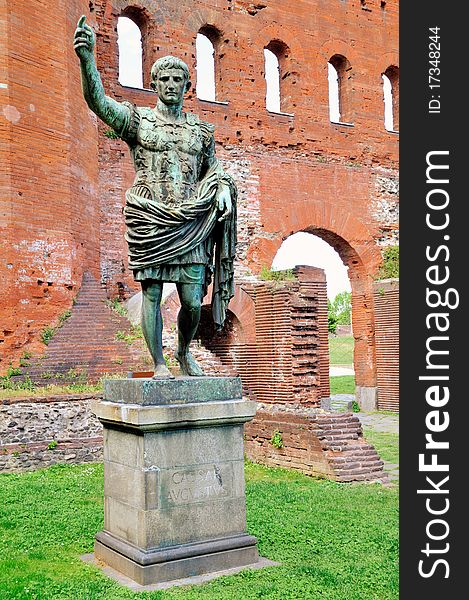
[{"x": 170, "y": 86}]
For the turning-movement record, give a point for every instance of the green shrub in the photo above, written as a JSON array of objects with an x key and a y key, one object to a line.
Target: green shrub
[
  {"x": 111, "y": 134},
  {"x": 268, "y": 275},
  {"x": 129, "y": 338},
  {"x": 64, "y": 316},
  {"x": 390, "y": 267},
  {"x": 117, "y": 306},
  {"x": 8, "y": 385},
  {"x": 331, "y": 321},
  {"x": 276, "y": 440},
  {"x": 48, "y": 332}
]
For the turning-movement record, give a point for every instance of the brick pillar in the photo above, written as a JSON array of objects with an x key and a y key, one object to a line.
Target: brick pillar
[{"x": 386, "y": 297}]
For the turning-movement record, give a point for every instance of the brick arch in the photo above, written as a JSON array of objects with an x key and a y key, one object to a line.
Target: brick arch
[
  {"x": 390, "y": 59},
  {"x": 306, "y": 215},
  {"x": 242, "y": 307},
  {"x": 320, "y": 60},
  {"x": 282, "y": 34},
  {"x": 206, "y": 22},
  {"x": 147, "y": 14},
  {"x": 140, "y": 16},
  {"x": 357, "y": 249},
  {"x": 362, "y": 305},
  {"x": 205, "y": 18},
  {"x": 332, "y": 47},
  {"x": 149, "y": 6}
]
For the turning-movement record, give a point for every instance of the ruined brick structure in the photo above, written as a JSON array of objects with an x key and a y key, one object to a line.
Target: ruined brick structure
[
  {"x": 62, "y": 181},
  {"x": 329, "y": 445},
  {"x": 386, "y": 299},
  {"x": 276, "y": 339}
]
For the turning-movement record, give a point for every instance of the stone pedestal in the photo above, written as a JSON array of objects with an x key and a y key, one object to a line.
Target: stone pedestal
[{"x": 174, "y": 500}]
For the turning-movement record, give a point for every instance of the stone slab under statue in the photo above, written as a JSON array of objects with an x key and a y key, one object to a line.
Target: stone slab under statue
[{"x": 174, "y": 497}]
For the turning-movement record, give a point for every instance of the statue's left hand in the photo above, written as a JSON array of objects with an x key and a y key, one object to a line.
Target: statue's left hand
[{"x": 224, "y": 202}]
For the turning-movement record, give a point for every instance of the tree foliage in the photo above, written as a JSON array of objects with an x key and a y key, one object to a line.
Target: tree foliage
[{"x": 339, "y": 311}]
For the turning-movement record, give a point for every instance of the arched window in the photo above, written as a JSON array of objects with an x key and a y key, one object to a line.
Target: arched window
[
  {"x": 130, "y": 52},
  {"x": 334, "y": 105},
  {"x": 340, "y": 89},
  {"x": 208, "y": 68},
  {"x": 278, "y": 78},
  {"x": 205, "y": 68},
  {"x": 391, "y": 98},
  {"x": 272, "y": 81}
]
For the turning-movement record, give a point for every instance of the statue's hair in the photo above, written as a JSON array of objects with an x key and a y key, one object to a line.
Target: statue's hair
[{"x": 169, "y": 62}]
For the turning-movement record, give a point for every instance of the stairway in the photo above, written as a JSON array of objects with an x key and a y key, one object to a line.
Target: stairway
[{"x": 87, "y": 345}]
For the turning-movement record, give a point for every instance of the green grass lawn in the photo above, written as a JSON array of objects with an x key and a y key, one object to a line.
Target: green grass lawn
[
  {"x": 334, "y": 541},
  {"x": 341, "y": 350},
  {"x": 343, "y": 384},
  {"x": 386, "y": 443}
]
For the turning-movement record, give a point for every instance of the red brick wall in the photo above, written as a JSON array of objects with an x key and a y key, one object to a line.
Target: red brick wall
[
  {"x": 277, "y": 339},
  {"x": 329, "y": 445},
  {"x": 386, "y": 297},
  {"x": 49, "y": 227},
  {"x": 294, "y": 172}
]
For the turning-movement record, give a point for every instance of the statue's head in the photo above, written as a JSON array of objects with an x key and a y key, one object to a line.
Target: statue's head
[{"x": 170, "y": 79}]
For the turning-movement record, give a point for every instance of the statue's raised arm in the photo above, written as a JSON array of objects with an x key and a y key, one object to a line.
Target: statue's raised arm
[{"x": 111, "y": 112}]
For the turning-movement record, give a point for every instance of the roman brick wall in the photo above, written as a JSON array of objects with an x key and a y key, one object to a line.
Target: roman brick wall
[
  {"x": 49, "y": 211},
  {"x": 328, "y": 445},
  {"x": 386, "y": 299},
  {"x": 276, "y": 338},
  {"x": 296, "y": 171}
]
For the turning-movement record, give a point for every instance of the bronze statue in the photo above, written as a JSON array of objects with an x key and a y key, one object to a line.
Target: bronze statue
[{"x": 180, "y": 212}]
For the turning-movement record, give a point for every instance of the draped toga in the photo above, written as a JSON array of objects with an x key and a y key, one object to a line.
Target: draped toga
[{"x": 171, "y": 212}]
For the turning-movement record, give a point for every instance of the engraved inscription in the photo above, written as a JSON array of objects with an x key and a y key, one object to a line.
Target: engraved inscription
[{"x": 185, "y": 485}]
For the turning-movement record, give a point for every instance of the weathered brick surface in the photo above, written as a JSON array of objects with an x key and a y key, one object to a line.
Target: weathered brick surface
[
  {"x": 61, "y": 204},
  {"x": 386, "y": 297},
  {"x": 276, "y": 338},
  {"x": 321, "y": 444},
  {"x": 49, "y": 214},
  {"x": 89, "y": 344}
]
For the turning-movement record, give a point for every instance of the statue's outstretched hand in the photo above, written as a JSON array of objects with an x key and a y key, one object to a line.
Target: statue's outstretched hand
[
  {"x": 84, "y": 40},
  {"x": 224, "y": 202}
]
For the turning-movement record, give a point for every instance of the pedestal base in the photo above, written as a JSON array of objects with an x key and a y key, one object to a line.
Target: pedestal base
[
  {"x": 180, "y": 562},
  {"x": 174, "y": 503}
]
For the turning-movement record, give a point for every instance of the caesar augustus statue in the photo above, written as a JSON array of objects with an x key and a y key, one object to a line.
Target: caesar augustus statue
[{"x": 180, "y": 212}]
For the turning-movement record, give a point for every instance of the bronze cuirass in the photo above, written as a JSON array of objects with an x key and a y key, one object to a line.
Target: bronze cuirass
[{"x": 168, "y": 158}]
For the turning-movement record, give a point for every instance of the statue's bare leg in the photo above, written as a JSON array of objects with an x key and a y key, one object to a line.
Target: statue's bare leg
[
  {"x": 190, "y": 295},
  {"x": 152, "y": 326}
]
